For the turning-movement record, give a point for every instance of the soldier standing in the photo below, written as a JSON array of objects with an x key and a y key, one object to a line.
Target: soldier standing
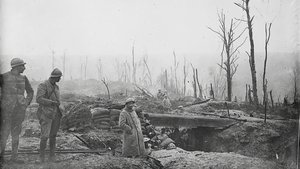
[
  {"x": 13, "y": 105},
  {"x": 133, "y": 141},
  {"x": 49, "y": 113}
]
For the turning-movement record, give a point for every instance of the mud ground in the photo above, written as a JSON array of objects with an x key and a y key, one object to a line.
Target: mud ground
[{"x": 252, "y": 144}]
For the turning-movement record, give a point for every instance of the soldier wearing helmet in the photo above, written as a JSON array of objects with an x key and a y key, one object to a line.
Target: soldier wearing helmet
[
  {"x": 49, "y": 113},
  {"x": 133, "y": 141},
  {"x": 13, "y": 105}
]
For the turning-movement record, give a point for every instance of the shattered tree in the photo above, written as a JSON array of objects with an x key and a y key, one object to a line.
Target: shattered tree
[
  {"x": 228, "y": 39},
  {"x": 265, "y": 82},
  {"x": 245, "y": 7}
]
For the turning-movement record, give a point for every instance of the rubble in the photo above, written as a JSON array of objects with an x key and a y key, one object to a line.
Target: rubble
[
  {"x": 179, "y": 158},
  {"x": 94, "y": 120}
]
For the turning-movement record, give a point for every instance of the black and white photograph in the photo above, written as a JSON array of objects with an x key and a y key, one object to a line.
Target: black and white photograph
[{"x": 149, "y": 84}]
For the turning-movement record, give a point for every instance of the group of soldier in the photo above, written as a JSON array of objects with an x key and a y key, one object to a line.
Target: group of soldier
[
  {"x": 14, "y": 103},
  {"x": 13, "y": 107}
]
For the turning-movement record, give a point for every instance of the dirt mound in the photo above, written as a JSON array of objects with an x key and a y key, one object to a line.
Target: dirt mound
[
  {"x": 262, "y": 140},
  {"x": 178, "y": 158},
  {"x": 100, "y": 139}
]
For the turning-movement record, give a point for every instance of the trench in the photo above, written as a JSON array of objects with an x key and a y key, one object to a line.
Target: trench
[
  {"x": 193, "y": 139},
  {"x": 281, "y": 149}
]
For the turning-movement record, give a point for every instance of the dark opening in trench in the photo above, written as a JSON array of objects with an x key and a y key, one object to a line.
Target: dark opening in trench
[{"x": 193, "y": 139}]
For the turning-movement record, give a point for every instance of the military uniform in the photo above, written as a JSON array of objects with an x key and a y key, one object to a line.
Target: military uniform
[
  {"x": 133, "y": 141},
  {"x": 48, "y": 113},
  {"x": 13, "y": 107}
]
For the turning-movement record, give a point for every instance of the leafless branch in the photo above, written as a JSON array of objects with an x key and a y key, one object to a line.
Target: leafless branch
[
  {"x": 222, "y": 66},
  {"x": 235, "y": 50},
  {"x": 106, "y": 85}
]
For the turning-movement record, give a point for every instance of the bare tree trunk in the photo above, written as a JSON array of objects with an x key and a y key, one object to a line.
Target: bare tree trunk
[
  {"x": 246, "y": 96},
  {"x": 175, "y": 72},
  {"x": 266, "y": 101},
  {"x": 252, "y": 57},
  {"x": 228, "y": 39},
  {"x": 296, "y": 80},
  {"x": 271, "y": 97},
  {"x": 229, "y": 86},
  {"x": 267, "y": 38},
  {"x": 249, "y": 94},
  {"x": 106, "y": 85},
  {"x": 184, "y": 80},
  {"x": 184, "y": 77},
  {"x": 199, "y": 86},
  {"x": 166, "y": 77},
  {"x": 194, "y": 83},
  {"x": 211, "y": 92},
  {"x": 64, "y": 66},
  {"x": 147, "y": 67},
  {"x": 133, "y": 66},
  {"x": 85, "y": 67},
  {"x": 245, "y": 7}
]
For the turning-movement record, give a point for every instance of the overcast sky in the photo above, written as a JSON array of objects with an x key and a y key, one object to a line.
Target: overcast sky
[{"x": 104, "y": 28}]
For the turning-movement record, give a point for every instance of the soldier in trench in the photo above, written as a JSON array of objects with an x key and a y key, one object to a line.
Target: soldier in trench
[
  {"x": 133, "y": 141},
  {"x": 49, "y": 113},
  {"x": 13, "y": 106}
]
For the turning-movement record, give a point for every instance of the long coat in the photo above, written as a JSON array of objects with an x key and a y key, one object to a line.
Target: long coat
[
  {"x": 133, "y": 141},
  {"x": 47, "y": 93}
]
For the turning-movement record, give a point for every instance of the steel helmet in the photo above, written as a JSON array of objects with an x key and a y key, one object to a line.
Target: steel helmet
[
  {"x": 56, "y": 73},
  {"x": 16, "y": 62},
  {"x": 130, "y": 100}
]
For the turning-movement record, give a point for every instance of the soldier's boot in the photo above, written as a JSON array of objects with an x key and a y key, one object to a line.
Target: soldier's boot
[
  {"x": 14, "y": 153},
  {"x": 3, "y": 140},
  {"x": 1, "y": 158},
  {"x": 2, "y": 153},
  {"x": 43, "y": 145},
  {"x": 52, "y": 144}
]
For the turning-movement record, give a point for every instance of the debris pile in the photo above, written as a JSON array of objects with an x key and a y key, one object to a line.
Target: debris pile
[
  {"x": 77, "y": 118},
  {"x": 102, "y": 140}
]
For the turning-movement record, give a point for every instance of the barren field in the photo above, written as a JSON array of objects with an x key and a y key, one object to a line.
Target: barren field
[{"x": 241, "y": 142}]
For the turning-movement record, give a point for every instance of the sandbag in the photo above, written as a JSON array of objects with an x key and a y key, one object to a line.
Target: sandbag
[
  {"x": 102, "y": 123},
  {"x": 101, "y": 117},
  {"x": 100, "y": 120},
  {"x": 115, "y": 112},
  {"x": 101, "y": 126},
  {"x": 113, "y": 123},
  {"x": 116, "y": 127},
  {"x": 117, "y": 130},
  {"x": 114, "y": 118},
  {"x": 166, "y": 142},
  {"x": 99, "y": 111}
]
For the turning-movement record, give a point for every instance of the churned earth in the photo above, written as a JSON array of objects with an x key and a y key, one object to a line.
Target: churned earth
[{"x": 246, "y": 144}]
